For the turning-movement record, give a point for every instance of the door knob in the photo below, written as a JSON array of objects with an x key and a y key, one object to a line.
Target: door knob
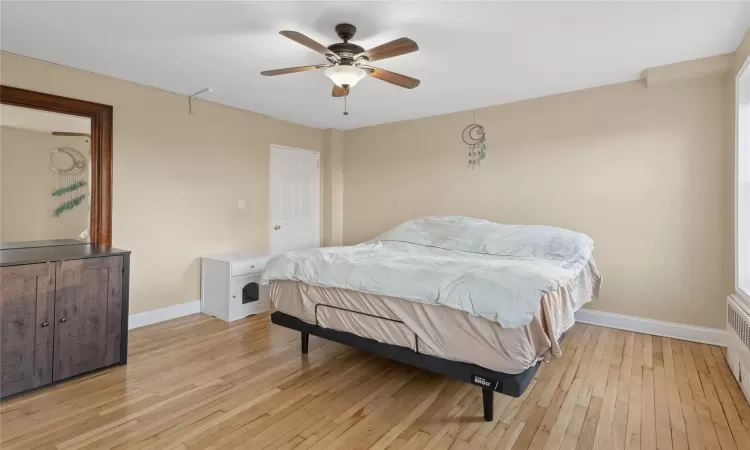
[
  {"x": 45, "y": 324},
  {"x": 63, "y": 320},
  {"x": 277, "y": 227}
]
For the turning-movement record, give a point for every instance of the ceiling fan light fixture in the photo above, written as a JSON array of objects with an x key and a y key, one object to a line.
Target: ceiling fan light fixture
[
  {"x": 345, "y": 58},
  {"x": 347, "y": 76}
]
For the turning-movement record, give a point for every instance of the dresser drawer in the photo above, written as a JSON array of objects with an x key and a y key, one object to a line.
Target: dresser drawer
[{"x": 248, "y": 267}]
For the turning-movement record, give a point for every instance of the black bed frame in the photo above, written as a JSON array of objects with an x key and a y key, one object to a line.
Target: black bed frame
[{"x": 489, "y": 380}]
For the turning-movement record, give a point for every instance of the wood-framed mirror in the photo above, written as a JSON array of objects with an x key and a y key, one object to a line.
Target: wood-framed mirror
[{"x": 99, "y": 176}]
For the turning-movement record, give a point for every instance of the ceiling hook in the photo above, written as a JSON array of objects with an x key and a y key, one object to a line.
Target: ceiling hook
[{"x": 190, "y": 99}]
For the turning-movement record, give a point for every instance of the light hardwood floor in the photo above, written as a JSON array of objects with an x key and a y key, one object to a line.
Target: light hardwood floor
[{"x": 198, "y": 383}]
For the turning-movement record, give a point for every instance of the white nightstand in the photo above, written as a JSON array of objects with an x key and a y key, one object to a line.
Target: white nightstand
[{"x": 230, "y": 285}]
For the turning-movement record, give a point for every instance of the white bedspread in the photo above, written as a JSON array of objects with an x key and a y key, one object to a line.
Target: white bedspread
[{"x": 486, "y": 269}]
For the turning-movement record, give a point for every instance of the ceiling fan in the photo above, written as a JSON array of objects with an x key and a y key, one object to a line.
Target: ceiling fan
[{"x": 349, "y": 62}]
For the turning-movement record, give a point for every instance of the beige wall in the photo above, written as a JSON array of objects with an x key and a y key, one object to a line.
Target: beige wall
[
  {"x": 177, "y": 177},
  {"x": 646, "y": 172},
  {"x": 26, "y": 186},
  {"x": 333, "y": 187}
]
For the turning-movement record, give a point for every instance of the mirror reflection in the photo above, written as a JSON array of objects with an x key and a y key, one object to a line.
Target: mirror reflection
[{"x": 45, "y": 176}]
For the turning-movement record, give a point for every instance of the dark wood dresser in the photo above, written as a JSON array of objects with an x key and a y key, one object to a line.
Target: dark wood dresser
[{"x": 63, "y": 312}]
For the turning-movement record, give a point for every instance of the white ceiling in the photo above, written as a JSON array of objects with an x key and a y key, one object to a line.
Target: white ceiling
[
  {"x": 42, "y": 121},
  {"x": 471, "y": 54}
]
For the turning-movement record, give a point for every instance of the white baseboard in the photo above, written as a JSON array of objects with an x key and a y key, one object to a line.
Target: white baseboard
[
  {"x": 713, "y": 336},
  {"x": 162, "y": 314}
]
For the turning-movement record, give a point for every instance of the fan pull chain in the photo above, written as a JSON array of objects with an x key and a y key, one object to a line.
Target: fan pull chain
[{"x": 346, "y": 113}]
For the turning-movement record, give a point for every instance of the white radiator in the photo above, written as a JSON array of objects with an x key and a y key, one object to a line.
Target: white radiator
[{"x": 738, "y": 344}]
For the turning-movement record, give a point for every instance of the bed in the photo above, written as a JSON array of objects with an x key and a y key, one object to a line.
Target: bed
[{"x": 466, "y": 298}]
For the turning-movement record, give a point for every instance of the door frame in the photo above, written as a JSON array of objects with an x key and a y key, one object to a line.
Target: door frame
[
  {"x": 742, "y": 136},
  {"x": 318, "y": 214}
]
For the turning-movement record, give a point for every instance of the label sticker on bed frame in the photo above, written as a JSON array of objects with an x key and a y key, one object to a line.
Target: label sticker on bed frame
[{"x": 484, "y": 381}]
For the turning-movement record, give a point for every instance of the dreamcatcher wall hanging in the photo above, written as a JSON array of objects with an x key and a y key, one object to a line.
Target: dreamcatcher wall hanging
[
  {"x": 69, "y": 165},
  {"x": 473, "y": 136}
]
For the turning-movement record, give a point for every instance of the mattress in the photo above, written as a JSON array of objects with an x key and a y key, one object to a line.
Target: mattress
[
  {"x": 439, "y": 330},
  {"x": 491, "y": 270}
]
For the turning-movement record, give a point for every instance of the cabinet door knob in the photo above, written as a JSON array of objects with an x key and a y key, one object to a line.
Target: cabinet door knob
[
  {"x": 63, "y": 320},
  {"x": 45, "y": 324},
  {"x": 277, "y": 227}
]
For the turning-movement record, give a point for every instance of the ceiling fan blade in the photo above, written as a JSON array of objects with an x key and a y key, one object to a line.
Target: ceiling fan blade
[
  {"x": 309, "y": 43},
  {"x": 392, "y": 77},
  {"x": 271, "y": 73},
  {"x": 398, "y": 47},
  {"x": 338, "y": 91},
  {"x": 66, "y": 133}
]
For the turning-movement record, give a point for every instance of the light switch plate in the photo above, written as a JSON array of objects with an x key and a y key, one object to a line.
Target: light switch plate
[{"x": 240, "y": 204}]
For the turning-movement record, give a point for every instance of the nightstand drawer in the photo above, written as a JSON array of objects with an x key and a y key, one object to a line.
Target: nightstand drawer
[{"x": 248, "y": 267}]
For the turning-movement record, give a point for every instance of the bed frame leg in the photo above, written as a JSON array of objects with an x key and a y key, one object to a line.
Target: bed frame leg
[
  {"x": 487, "y": 402},
  {"x": 305, "y": 341}
]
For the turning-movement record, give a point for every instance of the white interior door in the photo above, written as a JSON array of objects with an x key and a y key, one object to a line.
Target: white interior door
[{"x": 295, "y": 199}]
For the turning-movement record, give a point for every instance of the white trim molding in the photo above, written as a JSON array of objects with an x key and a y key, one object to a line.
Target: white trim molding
[
  {"x": 163, "y": 314},
  {"x": 741, "y": 300},
  {"x": 713, "y": 336},
  {"x": 741, "y": 177}
]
